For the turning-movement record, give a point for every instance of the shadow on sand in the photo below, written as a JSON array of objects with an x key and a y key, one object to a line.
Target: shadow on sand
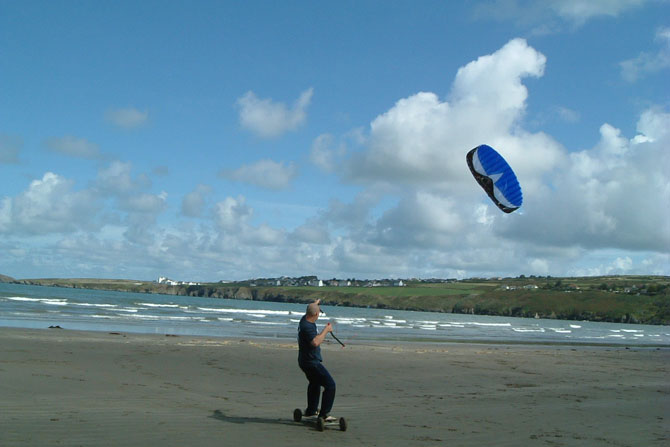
[{"x": 219, "y": 415}]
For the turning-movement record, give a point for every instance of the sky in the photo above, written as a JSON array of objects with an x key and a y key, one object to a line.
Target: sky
[{"x": 209, "y": 140}]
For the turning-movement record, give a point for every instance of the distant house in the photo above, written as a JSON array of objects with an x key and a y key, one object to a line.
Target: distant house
[{"x": 169, "y": 282}]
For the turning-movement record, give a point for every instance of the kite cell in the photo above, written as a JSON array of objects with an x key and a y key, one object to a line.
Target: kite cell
[{"x": 496, "y": 177}]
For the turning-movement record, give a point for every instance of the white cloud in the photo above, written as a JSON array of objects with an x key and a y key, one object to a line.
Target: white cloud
[
  {"x": 5, "y": 214},
  {"x": 649, "y": 63},
  {"x": 601, "y": 199},
  {"x": 621, "y": 265},
  {"x": 270, "y": 119},
  {"x": 549, "y": 16},
  {"x": 10, "y": 146},
  {"x": 116, "y": 179},
  {"x": 609, "y": 196},
  {"x": 311, "y": 233},
  {"x": 568, "y": 115},
  {"x": 322, "y": 153},
  {"x": 539, "y": 267},
  {"x": 232, "y": 213},
  {"x": 145, "y": 203},
  {"x": 422, "y": 139},
  {"x": 74, "y": 147},
  {"x": 264, "y": 173},
  {"x": 127, "y": 118},
  {"x": 263, "y": 235},
  {"x": 580, "y": 11},
  {"x": 193, "y": 203},
  {"x": 421, "y": 220},
  {"x": 49, "y": 205}
]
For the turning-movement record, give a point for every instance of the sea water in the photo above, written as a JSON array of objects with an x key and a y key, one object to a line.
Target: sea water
[{"x": 27, "y": 306}]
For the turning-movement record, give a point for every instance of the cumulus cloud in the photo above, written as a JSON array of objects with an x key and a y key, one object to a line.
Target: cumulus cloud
[
  {"x": 269, "y": 119},
  {"x": 116, "y": 179},
  {"x": 311, "y": 233},
  {"x": 145, "y": 203},
  {"x": 49, "y": 205},
  {"x": 193, "y": 203},
  {"x": 232, "y": 213},
  {"x": 327, "y": 154},
  {"x": 607, "y": 196},
  {"x": 52, "y": 205},
  {"x": 10, "y": 146},
  {"x": 423, "y": 139},
  {"x": 262, "y": 235},
  {"x": 648, "y": 63},
  {"x": 574, "y": 202},
  {"x": 127, "y": 118},
  {"x": 74, "y": 147},
  {"x": 422, "y": 219},
  {"x": 264, "y": 173}
]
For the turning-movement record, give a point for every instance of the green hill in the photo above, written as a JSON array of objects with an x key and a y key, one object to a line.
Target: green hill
[{"x": 4, "y": 278}]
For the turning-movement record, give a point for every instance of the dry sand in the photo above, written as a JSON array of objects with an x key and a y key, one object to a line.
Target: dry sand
[{"x": 60, "y": 387}]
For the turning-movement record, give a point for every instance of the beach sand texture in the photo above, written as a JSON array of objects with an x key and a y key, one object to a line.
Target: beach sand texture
[{"x": 60, "y": 387}]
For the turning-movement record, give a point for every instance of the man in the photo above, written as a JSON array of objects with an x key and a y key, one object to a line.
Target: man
[{"x": 309, "y": 360}]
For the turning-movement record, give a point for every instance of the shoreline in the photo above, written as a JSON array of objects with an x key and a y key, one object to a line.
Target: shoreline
[
  {"x": 380, "y": 341},
  {"x": 95, "y": 388}
]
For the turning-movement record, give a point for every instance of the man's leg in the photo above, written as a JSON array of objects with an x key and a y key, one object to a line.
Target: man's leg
[
  {"x": 313, "y": 390},
  {"x": 328, "y": 385}
]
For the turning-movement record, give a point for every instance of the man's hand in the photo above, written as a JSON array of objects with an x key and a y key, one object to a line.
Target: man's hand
[{"x": 316, "y": 341}]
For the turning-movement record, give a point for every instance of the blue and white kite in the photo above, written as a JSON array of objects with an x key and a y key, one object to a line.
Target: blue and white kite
[{"x": 496, "y": 177}]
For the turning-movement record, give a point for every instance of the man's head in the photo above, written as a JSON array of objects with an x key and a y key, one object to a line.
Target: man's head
[{"x": 313, "y": 311}]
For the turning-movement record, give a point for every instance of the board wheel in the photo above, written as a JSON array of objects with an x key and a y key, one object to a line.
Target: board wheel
[
  {"x": 320, "y": 424},
  {"x": 297, "y": 415},
  {"x": 343, "y": 424}
]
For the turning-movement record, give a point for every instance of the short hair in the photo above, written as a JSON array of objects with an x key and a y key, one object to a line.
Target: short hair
[{"x": 312, "y": 309}]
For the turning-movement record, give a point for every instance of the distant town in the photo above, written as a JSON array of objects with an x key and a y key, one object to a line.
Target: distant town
[
  {"x": 303, "y": 281},
  {"x": 314, "y": 281}
]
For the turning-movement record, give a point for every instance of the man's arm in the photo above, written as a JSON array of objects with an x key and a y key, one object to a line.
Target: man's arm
[{"x": 316, "y": 341}]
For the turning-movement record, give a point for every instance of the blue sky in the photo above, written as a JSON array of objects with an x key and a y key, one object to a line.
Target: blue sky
[{"x": 230, "y": 140}]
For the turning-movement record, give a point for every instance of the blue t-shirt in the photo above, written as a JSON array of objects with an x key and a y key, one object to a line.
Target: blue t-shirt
[{"x": 307, "y": 354}]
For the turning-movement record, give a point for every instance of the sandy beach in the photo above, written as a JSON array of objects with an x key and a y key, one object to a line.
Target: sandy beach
[{"x": 60, "y": 387}]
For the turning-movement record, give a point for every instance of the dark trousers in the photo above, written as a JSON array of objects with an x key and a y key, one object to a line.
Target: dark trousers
[{"x": 318, "y": 377}]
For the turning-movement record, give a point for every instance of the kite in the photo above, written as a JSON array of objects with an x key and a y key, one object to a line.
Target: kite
[{"x": 496, "y": 177}]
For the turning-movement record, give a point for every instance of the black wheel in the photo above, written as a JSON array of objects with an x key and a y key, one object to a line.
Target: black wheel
[
  {"x": 297, "y": 415},
  {"x": 320, "y": 424},
  {"x": 343, "y": 424}
]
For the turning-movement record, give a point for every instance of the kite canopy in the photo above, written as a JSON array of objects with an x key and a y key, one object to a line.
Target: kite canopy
[{"x": 496, "y": 177}]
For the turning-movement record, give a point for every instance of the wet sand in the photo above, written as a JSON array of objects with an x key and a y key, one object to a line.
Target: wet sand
[{"x": 60, "y": 387}]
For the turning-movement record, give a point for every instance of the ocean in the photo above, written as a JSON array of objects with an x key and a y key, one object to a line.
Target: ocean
[{"x": 39, "y": 307}]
